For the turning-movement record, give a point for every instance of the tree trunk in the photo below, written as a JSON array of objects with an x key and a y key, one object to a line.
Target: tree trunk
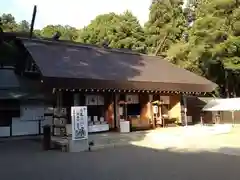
[{"x": 160, "y": 46}]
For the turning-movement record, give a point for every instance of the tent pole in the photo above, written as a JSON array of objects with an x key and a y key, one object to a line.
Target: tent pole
[
  {"x": 233, "y": 118},
  {"x": 185, "y": 110},
  {"x": 201, "y": 118}
]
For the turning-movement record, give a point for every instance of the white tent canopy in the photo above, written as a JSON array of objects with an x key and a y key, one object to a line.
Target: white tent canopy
[{"x": 229, "y": 104}]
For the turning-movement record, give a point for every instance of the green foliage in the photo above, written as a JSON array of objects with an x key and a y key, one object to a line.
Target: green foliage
[
  {"x": 208, "y": 46},
  {"x": 37, "y": 32},
  {"x": 67, "y": 32},
  {"x": 214, "y": 40},
  {"x": 117, "y": 31},
  {"x": 165, "y": 25},
  {"x": 8, "y": 23},
  {"x": 8, "y": 50},
  {"x": 24, "y": 26}
]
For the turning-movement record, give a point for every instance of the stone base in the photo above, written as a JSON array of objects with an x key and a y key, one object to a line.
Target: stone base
[{"x": 78, "y": 146}]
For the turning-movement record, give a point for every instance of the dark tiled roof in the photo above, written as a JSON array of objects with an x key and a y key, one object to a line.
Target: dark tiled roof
[
  {"x": 193, "y": 101},
  {"x": 13, "y": 35},
  {"x": 11, "y": 81},
  {"x": 72, "y": 61},
  {"x": 13, "y": 86},
  {"x": 8, "y": 79},
  {"x": 16, "y": 94}
]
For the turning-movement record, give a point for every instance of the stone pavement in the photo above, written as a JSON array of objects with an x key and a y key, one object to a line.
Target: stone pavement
[
  {"x": 223, "y": 139},
  {"x": 123, "y": 163},
  {"x": 143, "y": 158},
  {"x": 104, "y": 140},
  {"x": 194, "y": 138}
]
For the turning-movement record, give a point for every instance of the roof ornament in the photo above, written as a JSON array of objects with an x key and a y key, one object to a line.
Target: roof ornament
[{"x": 33, "y": 21}]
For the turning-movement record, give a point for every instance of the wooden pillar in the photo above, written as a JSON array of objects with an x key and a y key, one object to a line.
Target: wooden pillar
[
  {"x": 109, "y": 110},
  {"x": 151, "y": 109},
  {"x": 227, "y": 83},
  {"x": 156, "y": 116},
  {"x": 58, "y": 99},
  {"x": 76, "y": 99},
  {"x": 145, "y": 117},
  {"x": 116, "y": 109},
  {"x": 233, "y": 118},
  {"x": 66, "y": 102}
]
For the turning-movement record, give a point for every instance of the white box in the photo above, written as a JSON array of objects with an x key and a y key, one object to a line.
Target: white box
[
  {"x": 98, "y": 128},
  {"x": 4, "y": 131},
  {"x": 95, "y": 118},
  {"x": 124, "y": 127},
  {"x": 120, "y": 110},
  {"x": 89, "y": 119},
  {"x": 101, "y": 119}
]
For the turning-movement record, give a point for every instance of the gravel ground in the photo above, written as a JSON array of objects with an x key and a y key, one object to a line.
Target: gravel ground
[{"x": 25, "y": 160}]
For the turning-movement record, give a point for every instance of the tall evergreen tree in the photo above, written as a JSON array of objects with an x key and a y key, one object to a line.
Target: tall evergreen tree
[
  {"x": 165, "y": 26},
  {"x": 115, "y": 31},
  {"x": 8, "y": 23},
  {"x": 24, "y": 26},
  {"x": 66, "y": 32},
  {"x": 214, "y": 40}
]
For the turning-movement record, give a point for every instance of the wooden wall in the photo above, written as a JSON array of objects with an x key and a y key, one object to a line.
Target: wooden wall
[
  {"x": 109, "y": 110},
  {"x": 146, "y": 116},
  {"x": 226, "y": 117},
  {"x": 145, "y": 113},
  {"x": 175, "y": 107}
]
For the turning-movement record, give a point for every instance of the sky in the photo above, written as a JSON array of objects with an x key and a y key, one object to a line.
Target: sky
[{"x": 76, "y": 13}]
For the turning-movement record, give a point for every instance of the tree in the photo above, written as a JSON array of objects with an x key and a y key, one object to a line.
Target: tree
[
  {"x": 37, "y": 32},
  {"x": 165, "y": 25},
  {"x": 115, "y": 31},
  {"x": 7, "y": 49},
  {"x": 67, "y": 32},
  {"x": 8, "y": 23},
  {"x": 70, "y": 33},
  {"x": 213, "y": 41},
  {"x": 24, "y": 26}
]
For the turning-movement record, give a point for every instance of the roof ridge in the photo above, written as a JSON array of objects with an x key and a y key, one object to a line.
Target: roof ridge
[{"x": 78, "y": 44}]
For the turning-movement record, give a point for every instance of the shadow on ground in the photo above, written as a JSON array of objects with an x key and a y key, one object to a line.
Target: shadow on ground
[{"x": 24, "y": 159}]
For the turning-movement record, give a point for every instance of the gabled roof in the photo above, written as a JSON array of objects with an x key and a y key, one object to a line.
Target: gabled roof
[
  {"x": 110, "y": 68},
  {"x": 13, "y": 86},
  {"x": 13, "y": 35},
  {"x": 8, "y": 79},
  {"x": 198, "y": 101}
]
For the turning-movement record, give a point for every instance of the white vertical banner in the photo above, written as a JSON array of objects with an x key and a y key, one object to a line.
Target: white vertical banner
[{"x": 79, "y": 122}]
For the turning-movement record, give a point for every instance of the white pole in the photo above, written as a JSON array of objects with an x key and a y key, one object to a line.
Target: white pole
[
  {"x": 201, "y": 118},
  {"x": 233, "y": 118},
  {"x": 185, "y": 110},
  {"x": 185, "y": 116}
]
